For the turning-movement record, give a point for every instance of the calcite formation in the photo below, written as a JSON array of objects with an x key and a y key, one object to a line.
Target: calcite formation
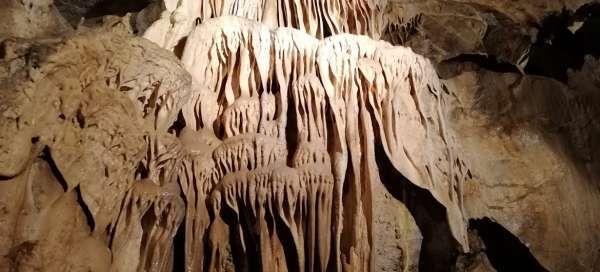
[
  {"x": 88, "y": 123},
  {"x": 282, "y": 111},
  {"x": 173, "y": 20},
  {"x": 280, "y": 135}
]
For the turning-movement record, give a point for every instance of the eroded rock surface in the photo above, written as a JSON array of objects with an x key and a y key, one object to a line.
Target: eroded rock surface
[
  {"x": 528, "y": 122},
  {"x": 86, "y": 160},
  {"x": 30, "y": 19}
]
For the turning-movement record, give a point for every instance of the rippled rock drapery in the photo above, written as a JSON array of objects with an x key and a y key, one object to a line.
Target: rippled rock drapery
[
  {"x": 168, "y": 22},
  {"x": 275, "y": 161},
  {"x": 284, "y": 112}
]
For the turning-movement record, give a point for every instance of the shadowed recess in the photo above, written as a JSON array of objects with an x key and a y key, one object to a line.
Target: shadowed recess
[
  {"x": 439, "y": 249},
  {"x": 504, "y": 250}
]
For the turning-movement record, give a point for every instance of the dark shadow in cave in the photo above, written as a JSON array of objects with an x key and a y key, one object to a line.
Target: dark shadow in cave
[
  {"x": 178, "y": 125},
  {"x": 486, "y": 62},
  {"x": 47, "y": 157},
  {"x": 588, "y": 35},
  {"x": 504, "y": 250},
  {"x": 439, "y": 249},
  {"x": 86, "y": 210},
  {"x": 74, "y": 10},
  {"x": 179, "y": 248},
  {"x": 287, "y": 240},
  {"x": 291, "y": 129},
  {"x": 242, "y": 261},
  {"x": 115, "y": 7},
  {"x": 178, "y": 50},
  {"x": 557, "y": 48}
]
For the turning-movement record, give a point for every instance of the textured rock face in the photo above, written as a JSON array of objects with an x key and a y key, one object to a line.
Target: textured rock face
[
  {"x": 297, "y": 136},
  {"x": 290, "y": 155},
  {"x": 87, "y": 160},
  {"x": 30, "y": 19},
  {"x": 506, "y": 187}
]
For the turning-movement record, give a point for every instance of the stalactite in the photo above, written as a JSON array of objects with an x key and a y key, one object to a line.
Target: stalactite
[
  {"x": 272, "y": 92},
  {"x": 320, "y": 18}
]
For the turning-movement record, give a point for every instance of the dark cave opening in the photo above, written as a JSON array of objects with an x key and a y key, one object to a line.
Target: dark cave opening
[
  {"x": 115, "y": 7},
  {"x": 439, "y": 249},
  {"x": 563, "y": 41},
  {"x": 74, "y": 10},
  {"x": 472, "y": 62},
  {"x": 2, "y": 50},
  {"x": 179, "y": 248},
  {"x": 588, "y": 35},
  {"x": 504, "y": 250},
  {"x": 485, "y": 61}
]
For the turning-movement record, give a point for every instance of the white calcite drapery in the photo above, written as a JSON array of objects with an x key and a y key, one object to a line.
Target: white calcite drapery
[
  {"x": 168, "y": 22},
  {"x": 272, "y": 169},
  {"x": 279, "y": 130}
]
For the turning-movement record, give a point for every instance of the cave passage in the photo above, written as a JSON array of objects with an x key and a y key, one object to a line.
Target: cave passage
[
  {"x": 179, "y": 248},
  {"x": 504, "y": 250},
  {"x": 561, "y": 46},
  {"x": 115, "y": 7},
  {"x": 439, "y": 249}
]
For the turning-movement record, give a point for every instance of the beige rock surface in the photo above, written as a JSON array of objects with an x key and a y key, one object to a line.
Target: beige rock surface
[
  {"x": 96, "y": 108},
  {"x": 30, "y": 19},
  {"x": 524, "y": 176},
  {"x": 443, "y": 30}
]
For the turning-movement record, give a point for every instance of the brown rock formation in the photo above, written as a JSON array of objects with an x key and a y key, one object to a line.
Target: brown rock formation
[{"x": 85, "y": 152}]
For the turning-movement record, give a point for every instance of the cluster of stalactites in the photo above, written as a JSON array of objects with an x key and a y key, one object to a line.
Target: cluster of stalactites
[
  {"x": 252, "y": 176},
  {"x": 276, "y": 103},
  {"x": 168, "y": 22},
  {"x": 317, "y": 18}
]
